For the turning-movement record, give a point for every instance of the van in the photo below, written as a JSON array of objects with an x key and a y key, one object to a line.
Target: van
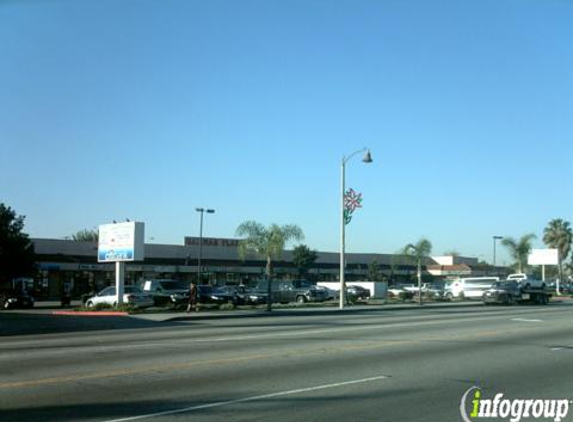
[{"x": 469, "y": 287}]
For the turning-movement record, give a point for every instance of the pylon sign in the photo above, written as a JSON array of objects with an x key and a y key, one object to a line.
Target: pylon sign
[
  {"x": 121, "y": 242},
  {"x": 543, "y": 257}
]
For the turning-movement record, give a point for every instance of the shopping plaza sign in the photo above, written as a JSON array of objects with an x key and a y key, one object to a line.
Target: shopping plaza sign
[{"x": 121, "y": 242}]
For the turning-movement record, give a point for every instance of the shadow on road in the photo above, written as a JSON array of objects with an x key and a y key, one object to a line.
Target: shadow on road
[
  {"x": 222, "y": 407},
  {"x": 14, "y": 324}
]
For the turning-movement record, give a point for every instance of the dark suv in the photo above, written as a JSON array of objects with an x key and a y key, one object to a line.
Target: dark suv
[
  {"x": 301, "y": 291},
  {"x": 12, "y": 299},
  {"x": 165, "y": 291}
]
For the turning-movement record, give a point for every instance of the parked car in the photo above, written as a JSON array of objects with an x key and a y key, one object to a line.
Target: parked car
[
  {"x": 166, "y": 291},
  {"x": 357, "y": 292},
  {"x": 239, "y": 293},
  {"x": 243, "y": 295},
  {"x": 301, "y": 291},
  {"x": 211, "y": 294},
  {"x": 435, "y": 291},
  {"x": 331, "y": 294},
  {"x": 13, "y": 299},
  {"x": 566, "y": 288},
  {"x": 414, "y": 287},
  {"x": 397, "y": 291},
  {"x": 132, "y": 295},
  {"x": 257, "y": 297},
  {"x": 505, "y": 292}
]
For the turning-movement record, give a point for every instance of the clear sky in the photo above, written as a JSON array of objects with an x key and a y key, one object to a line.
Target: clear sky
[{"x": 146, "y": 109}]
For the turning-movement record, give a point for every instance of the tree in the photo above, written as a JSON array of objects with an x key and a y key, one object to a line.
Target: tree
[
  {"x": 86, "y": 236},
  {"x": 452, "y": 252},
  {"x": 303, "y": 257},
  {"x": 17, "y": 257},
  {"x": 268, "y": 243},
  {"x": 395, "y": 262},
  {"x": 418, "y": 251},
  {"x": 558, "y": 235},
  {"x": 519, "y": 249},
  {"x": 374, "y": 273}
]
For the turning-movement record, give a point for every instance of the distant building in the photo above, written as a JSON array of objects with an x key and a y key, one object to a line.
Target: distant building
[
  {"x": 68, "y": 261},
  {"x": 452, "y": 266}
]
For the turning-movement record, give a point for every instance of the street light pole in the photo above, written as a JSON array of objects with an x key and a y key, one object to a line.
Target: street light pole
[
  {"x": 342, "y": 234},
  {"x": 495, "y": 239},
  {"x": 201, "y": 211},
  {"x": 366, "y": 159}
]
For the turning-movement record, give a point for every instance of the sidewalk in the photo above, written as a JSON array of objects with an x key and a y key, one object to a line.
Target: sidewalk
[
  {"x": 165, "y": 316},
  {"x": 303, "y": 311}
]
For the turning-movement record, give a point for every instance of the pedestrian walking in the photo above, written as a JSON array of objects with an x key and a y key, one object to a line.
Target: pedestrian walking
[{"x": 192, "y": 298}]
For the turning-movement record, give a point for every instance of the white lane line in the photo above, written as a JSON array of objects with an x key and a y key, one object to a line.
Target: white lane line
[
  {"x": 526, "y": 320},
  {"x": 249, "y": 399},
  {"x": 556, "y": 349}
]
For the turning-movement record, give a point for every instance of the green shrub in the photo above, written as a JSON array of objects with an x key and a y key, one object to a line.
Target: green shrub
[
  {"x": 125, "y": 307},
  {"x": 106, "y": 307},
  {"x": 227, "y": 307},
  {"x": 102, "y": 307}
]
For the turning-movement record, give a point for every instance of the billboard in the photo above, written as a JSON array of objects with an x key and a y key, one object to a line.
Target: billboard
[
  {"x": 120, "y": 242},
  {"x": 543, "y": 257}
]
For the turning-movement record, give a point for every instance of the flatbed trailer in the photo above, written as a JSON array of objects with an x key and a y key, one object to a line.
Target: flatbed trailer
[
  {"x": 514, "y": 295},
  {"x": 534, "y": 296}
]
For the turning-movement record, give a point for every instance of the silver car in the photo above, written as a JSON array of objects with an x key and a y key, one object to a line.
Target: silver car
[{"x": 132, "y": 295}]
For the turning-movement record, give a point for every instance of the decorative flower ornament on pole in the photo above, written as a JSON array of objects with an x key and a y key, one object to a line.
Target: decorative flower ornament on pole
[{"x": 352, "y": 200}]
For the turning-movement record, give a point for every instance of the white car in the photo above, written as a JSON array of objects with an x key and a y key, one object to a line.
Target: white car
[
  {"x": 468, "y": 287},
  {"x": 132, "y": 295},
  {"x": 413, "y": 288}
]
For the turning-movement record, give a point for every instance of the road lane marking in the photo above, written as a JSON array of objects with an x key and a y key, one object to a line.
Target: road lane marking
[
  {"x": 250, "y": 399},
  {"x": 526, "y": 320},
  {"x": 55, "y": 346},
  {"x": 380, "y": 344},
  {"x": 556, "y": 349},
  {"x": 120, "y": 373},
  {"x": 7, "y": 354},
  {"x": 189, "y": 365}
]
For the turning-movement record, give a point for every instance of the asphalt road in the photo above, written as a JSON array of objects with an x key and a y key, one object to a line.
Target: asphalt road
[{"x": 408, "y": 365}]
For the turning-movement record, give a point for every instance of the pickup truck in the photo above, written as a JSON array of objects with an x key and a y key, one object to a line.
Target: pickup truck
[
  {"x": 300, "y": 291},
  {"x": 526, "y": 282}
]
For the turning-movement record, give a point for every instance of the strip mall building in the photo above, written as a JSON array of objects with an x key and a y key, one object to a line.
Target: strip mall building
[{"x": 67, "y": 261}]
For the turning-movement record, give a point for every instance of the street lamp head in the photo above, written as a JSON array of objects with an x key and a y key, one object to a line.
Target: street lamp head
[
  {"x": 210, "y": 211},
  {"x": 199, "y": 209},
  {"x": 367, "y": 157},
  {"x": 498, "y": 237}
]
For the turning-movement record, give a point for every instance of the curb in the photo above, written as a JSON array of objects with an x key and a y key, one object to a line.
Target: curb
[
  {"x": 311, "y": 311},
  {"x": 90, "y": 313}
]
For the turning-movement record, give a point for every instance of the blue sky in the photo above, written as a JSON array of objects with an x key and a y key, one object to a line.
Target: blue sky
[{"x": 147, "y": 109}]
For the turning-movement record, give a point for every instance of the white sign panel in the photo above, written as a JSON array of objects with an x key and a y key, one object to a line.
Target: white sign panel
[
  {"x": 120, "y": 242},
  {"x": 543, "y": 257}
]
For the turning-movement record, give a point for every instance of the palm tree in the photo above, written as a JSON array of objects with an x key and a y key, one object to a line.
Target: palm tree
[
  {"x": 519, "y": 249},
  {"x": 558, "y": 235},
  {"x": 418, "y": 251},
  {"x": 268, "y": 243}
]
